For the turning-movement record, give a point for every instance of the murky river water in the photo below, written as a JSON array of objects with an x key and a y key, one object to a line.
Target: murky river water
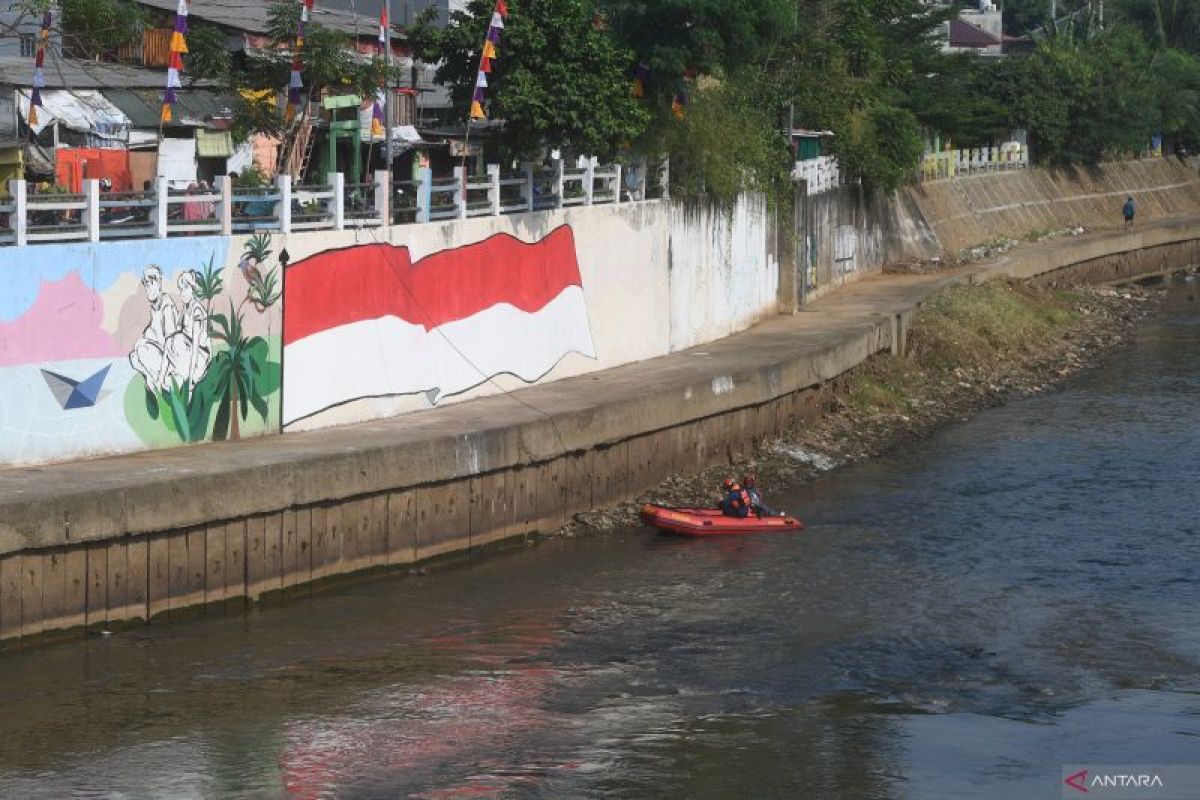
[{"x": 960, "y": 619}]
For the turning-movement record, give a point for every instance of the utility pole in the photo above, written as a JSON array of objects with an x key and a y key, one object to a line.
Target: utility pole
[{"x": 387, "y": 85}]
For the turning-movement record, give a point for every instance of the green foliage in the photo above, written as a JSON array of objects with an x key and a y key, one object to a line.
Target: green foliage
[
  {"x": 96, "y": 29},
  {"x": 883, "y": 146},
  {"x": 234, "y": 374},
  {"x": 714, "y": 37},
  {"x": 208, "y": 54},
  {"x": 258, "y": 247},
  {"x": 726, "y": 142},
  {"x": 210, "y": 283},
  {"x": 1111, "y": 109},
  {"x": 1173, "y": 24},
  {"x": 266, "y": 293},
  {"x": 560, "y": 79}
]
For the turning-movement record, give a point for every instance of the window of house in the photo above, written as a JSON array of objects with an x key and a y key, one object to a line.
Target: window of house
[{"x": 27, "y": 45}]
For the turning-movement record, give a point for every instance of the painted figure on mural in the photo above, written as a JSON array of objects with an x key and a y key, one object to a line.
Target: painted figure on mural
[
  {"x": 149, "y": 355},
  {"x": 189, "y": 348}
]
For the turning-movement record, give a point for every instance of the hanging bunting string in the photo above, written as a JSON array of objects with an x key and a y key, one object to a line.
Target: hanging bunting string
[
  {"x": 39, "y": 75},
  {"x": 489, "y": 53},
  {"x": 378, "y": 126},
  {"x": 175, "y": 62},
  {"x": 296, "y": 81}
]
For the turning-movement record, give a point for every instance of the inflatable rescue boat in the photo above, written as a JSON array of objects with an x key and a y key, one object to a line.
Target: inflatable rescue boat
[{"x": 711, "y": 522}]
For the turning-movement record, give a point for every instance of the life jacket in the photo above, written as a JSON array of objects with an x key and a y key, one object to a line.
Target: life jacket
[{"x": 739, "y": 501}]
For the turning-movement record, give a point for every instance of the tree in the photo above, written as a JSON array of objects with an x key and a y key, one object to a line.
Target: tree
[
  {"x": 96, "y": 29},
  {"x": 560, "y": 79},
  {"x": 727, "y": 141}
]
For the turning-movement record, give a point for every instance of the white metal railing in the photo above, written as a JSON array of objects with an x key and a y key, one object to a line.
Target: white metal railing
[
  {"x": 531, "y": 189},
  {"x": 822, "y": 174},
  {"x": 949, "y": 163},
  {"x": 27, "y": 218}
]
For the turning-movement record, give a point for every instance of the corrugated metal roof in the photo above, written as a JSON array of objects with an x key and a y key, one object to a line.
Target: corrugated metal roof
[
  {"x": 252, "y": 16},
  {"x": 66, "y": 73},
  {"x": 193, "y": 107}
]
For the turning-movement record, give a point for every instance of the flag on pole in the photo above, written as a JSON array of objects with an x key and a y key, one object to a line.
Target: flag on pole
[
  {"x": 175, "y": 62},
  {"x": 489, "y": 53},
  {"x": 39, "y": 76},
  {"x": 378, "y": 125},
  {"x": 295, "y": 80}
]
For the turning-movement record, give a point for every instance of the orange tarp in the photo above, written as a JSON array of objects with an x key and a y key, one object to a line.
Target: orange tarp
[{"x": 72, "y": 165}]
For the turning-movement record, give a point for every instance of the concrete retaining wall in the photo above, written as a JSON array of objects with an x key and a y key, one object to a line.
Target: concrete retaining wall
[
  {"x": 359, "y": 324},
  {"x": 848, "y": 232},
  {"x": 963, "y": 212},
  {"x": 722, "y": 268}
]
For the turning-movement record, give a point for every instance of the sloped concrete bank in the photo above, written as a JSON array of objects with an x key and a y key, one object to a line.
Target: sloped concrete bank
[{"x": 95, "y": 543}]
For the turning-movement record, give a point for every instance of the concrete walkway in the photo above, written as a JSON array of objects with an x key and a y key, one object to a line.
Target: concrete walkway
[{"x": 162, "y": 490}]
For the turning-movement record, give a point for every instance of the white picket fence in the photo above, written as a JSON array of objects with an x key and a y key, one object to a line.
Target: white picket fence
[
  {"x": 822, "y": 174},
  {"x": 950, "y": 163},
  {"x": 28, "y": 218}
]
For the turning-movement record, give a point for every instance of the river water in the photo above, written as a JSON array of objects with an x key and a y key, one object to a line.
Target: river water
[{"x": 960, "y": 619}]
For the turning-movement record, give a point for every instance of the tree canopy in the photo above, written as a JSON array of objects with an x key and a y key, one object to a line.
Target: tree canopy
[{"x": 560, "y": 77}]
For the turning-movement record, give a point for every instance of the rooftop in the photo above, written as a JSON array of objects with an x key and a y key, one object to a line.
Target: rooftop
[
  {"x": 252, "y": 16},
  {"x": 67, "y": 73},
  {"x": 964, "y": 34}
]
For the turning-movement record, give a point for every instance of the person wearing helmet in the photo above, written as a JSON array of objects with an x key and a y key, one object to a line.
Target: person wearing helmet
[
  {"x": 750, "y": 484},
  {"x": 736, "y": 502}
]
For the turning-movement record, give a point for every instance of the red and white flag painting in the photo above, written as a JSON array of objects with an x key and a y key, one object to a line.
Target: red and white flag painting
[{"x": 368, "y": 322}]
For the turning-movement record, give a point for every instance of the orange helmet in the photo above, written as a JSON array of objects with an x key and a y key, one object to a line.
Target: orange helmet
[{"x": 728, "y": 484}]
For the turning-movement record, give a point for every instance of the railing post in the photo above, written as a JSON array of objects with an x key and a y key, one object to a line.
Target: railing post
[
  {"x": 558, "y": 183},
  {"x": 284, "y": 184},
  {"x": 91, "y": 214},
  {"x": 589, "y": 181},
  {"x": 19, "y": 222},
  {"x": 424, "y": 194},
  {"x": 460, "y": 192},
  {"x": 528, "y": 188},
  {"x": 643, "y": 177},
  {"x": 494, "y": 190},
  {"x": 225, "y": 204},
  {"x": 161, "y": 195},
  {"x": 665, "y": 176},
  {"x": 383, "y": 196},
  {"x": 339, "y": 201},
  {"x": 617, "y": 184}
]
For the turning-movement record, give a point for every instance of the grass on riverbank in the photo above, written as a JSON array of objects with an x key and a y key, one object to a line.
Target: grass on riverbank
[{"x": 988, "y": 327}]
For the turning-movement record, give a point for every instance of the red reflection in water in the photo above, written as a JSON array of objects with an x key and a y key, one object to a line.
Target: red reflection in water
[{"x": 424, "y": 726}]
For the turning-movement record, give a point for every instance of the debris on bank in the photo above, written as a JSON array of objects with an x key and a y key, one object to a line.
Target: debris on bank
[{"x": 972, "y": 348}]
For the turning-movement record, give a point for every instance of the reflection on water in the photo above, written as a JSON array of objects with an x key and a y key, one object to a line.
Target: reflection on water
[{"x": 960, "y": 619}]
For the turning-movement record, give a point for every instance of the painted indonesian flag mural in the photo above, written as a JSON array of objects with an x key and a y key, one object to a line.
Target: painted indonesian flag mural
[{"x": 368, "y": 322}]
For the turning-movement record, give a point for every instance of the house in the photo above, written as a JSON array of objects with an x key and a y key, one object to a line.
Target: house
[
  {"x": 103, "y": 121},
  {"x": 980, "y": 30}
]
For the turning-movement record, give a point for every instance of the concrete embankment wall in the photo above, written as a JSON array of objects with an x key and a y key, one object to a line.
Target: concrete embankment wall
[
  {"x": 848, "y": 232},
  {"x": 119, "y": 347},
  {"x": 228, "y": 522},
  {"x": 967, "y": 211}
]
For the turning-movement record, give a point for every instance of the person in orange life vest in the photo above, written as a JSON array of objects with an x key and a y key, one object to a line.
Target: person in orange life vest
[
  {"x": 736, "y": 502},
  {"x": 750, "y": 484}
]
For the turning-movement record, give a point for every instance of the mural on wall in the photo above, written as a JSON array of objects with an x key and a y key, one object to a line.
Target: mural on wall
[
  {"x": 118, "y": 346},
  {"x": 368, "y": 322},
  {"x": 194, "y": 392}
]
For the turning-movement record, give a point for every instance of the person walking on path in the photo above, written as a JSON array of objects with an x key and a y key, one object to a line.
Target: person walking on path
[{"x": 1129, "y": 211}]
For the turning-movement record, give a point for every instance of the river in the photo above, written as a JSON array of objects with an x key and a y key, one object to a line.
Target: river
[{"x": 961, "y": 618}]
